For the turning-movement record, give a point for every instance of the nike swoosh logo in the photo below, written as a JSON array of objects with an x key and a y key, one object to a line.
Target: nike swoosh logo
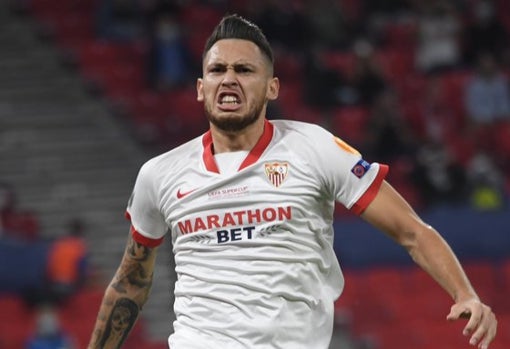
[{"x": 180, "y": 194}]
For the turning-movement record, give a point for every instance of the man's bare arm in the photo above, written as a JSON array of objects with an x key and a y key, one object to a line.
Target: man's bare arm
[
  {"x": 124, "y": 297},
  {"x": 390, "y": 213}
]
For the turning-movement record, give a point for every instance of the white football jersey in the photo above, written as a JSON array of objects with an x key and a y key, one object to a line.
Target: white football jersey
[{"x": 254, "y": 248}]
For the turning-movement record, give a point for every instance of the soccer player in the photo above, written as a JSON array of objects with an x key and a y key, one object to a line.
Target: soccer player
[{"x": 249, "y": 207}]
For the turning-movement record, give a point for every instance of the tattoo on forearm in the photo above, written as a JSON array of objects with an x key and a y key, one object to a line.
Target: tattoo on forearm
[
  {"x": 133, "y": 274},
  {"x": 121, "y": 320},
  {"x": 137, "y": 251}
]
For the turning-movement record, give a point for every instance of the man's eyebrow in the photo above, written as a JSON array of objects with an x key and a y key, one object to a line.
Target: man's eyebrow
[{"x": 234, "y": 65}]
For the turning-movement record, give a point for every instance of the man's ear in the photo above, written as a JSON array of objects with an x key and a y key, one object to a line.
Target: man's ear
[
  {"x": 273, "y": 89},
  {"x": 200, "y": 90}
]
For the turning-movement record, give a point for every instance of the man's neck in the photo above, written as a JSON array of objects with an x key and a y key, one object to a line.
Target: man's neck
[{"x": 235, "y": 141}]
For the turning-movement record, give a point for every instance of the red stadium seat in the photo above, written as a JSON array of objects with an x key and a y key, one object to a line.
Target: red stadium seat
[
  {"x": 396, "y": 64},
  {"x": 290, "y": 99},
  {"x": 16, "y": 321},
  {"x": 401, "y": 35},
  {"x": 418, "y": 281},
  {"x": 454, "y": 85},
  {"x": 350, "y": 124},
  {"x": 288, "y": 66},
  {"x": 342, "y": 62},
  {"x": 391, "y": 336},
  {"x": 484, "y": 277},
  {"x": 199, "y": 20}
]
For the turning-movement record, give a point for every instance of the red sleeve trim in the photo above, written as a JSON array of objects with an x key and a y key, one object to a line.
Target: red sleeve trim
[
  {"x": 148, "y": 242},
  {"x": 371, "y": 192}
]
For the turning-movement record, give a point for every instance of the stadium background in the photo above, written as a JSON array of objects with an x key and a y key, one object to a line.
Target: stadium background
[{"x": 84, "y": 101}]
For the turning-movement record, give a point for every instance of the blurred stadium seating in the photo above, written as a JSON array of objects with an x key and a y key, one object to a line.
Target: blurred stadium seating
[{"x": 401, "y": 307}]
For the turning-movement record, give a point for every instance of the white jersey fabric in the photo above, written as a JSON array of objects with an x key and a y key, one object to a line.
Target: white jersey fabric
[{"x": 254, "y": 248}]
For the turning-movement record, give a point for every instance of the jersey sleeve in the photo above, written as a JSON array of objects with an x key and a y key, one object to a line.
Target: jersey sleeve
[
  {"x": 148, "y": 226},
  {"x": 350, "y": 179}
]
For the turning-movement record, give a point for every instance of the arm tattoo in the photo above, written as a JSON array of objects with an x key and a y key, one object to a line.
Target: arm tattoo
[
  {"x": 137, "y": 251},
  {"x": 133, "y": 271},
  {"x": 120, "y": 322},
  {"x": 133, "y": 274}
]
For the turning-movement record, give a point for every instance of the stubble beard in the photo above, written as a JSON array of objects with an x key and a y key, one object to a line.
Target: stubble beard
[{"x": 234, "y": 123}]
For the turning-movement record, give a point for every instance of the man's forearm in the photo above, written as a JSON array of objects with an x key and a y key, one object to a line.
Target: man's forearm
[
  {"x": 124, "y": 298},
  {"x": 435, "y": 256}
]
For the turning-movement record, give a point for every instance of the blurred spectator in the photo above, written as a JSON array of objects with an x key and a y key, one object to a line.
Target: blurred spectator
[
  {"x": 367, "y": 79},
  {"x": 438, "y": 117},
  {"x": 7, "y": 199},
  {"x": 486, "y": 182},
  {"x": 67, "y": 263},
  {"x": 485, "y": 33},
  {"x": 283, "y": 24},
  {"x": 438, "y": 176},
  {"x": 438, "y": 43},
  {"x": 386, "y": 8},
  {"x": 324, "y": 88},
  {"x": 389, "y": 136},
  {"x": 119, "y": 20},
  {"x": 487, "y": 102},
  {"x": 327, "y": 26},
  {"x": 48, "y": 333},
  {"x": 14, "y": 222},
  {"x": 169, "y": 61}
]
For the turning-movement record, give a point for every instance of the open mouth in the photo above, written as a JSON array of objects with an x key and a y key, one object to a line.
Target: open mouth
[{"x": 229, "y": 99}]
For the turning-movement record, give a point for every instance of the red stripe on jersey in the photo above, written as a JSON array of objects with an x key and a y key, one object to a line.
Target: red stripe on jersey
[
  {"x": 143, "y": 240},
  {"x": 251, "y": 158},
  {"x": 208, "y": 155},
  {"x": 371, "y": 192},
  {"x": 261, "y": 145}
]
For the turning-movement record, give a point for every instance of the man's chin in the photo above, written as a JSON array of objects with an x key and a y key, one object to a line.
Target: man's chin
[{"x": 232, "y": 123}]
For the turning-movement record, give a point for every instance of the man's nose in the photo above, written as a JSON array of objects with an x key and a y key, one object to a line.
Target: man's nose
[{"x": 230, "y": 77}]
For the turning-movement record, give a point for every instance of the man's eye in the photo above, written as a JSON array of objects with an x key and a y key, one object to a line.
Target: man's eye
[
  {"x": 216, "y": 69},
  {"x": 243, "y": 70}
]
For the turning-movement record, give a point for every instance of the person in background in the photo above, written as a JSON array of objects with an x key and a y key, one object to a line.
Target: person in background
[
  {"x": 487, "y": 104},
  {"x": 438, "y": 43},
  {"x": 169, "y": 61},
  {"x": 67, "y": 268},
  {"x": 48, "y": 332},
  {"x": 390, "y": 137},
  {"x": 16, "y": 223},
  {"x": 367, "y": 79},
  {"x": 487, "y": 94},
  {"x": 119, "y": 20},
  {"x": 485, "y": 33}
]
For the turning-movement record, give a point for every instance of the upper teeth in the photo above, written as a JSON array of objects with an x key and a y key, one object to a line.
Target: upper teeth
[{"x": 229, "y": 99}]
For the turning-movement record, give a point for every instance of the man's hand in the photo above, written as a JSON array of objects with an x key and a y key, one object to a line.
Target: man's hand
[{"x": 482, "y": 324}]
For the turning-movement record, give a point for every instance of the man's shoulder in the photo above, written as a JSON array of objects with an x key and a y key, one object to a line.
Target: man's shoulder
[{"x": 298, "y": 127}]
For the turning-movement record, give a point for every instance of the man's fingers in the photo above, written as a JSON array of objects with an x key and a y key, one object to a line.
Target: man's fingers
[
  {"x": 457, "y": 312},
  {"x": 486, "y": 331},
  {"x": 481, "y": 326}
]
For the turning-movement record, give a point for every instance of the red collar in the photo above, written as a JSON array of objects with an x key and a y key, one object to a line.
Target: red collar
[{"x": 251, "y": 158}]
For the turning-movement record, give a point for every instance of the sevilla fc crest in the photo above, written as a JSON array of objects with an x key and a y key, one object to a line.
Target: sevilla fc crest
[{"x": 276, "y": 172}]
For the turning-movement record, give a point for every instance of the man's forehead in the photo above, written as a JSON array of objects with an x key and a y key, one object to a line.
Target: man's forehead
[{"x": 234, "y": 51}]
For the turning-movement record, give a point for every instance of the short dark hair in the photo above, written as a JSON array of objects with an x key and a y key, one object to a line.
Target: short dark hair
[{"x": 236, "y": 27}]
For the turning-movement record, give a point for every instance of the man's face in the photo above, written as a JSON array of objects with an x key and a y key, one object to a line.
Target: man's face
[{"x": 237, "y": 82}]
